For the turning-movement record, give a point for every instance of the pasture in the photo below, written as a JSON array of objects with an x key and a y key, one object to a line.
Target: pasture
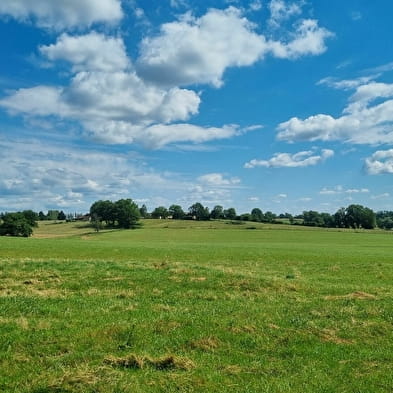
[{"x": 184, "y": 306}]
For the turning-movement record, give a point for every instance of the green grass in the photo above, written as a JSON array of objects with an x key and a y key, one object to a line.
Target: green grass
[{"x": 196, "y": 307}]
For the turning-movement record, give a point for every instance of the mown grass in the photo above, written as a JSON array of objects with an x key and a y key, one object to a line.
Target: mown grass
[{"x": 196, "y": 307}]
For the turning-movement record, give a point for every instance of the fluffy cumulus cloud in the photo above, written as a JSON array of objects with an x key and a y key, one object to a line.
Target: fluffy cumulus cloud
[
  {"x": 367, "y": 119},
  {"x": 63, "y": 14},
  {"x": 93, "y": 52},
  {"x": 111, "y": 101},
  {"x": 218, "y": 180},
  {"x": 199, "y": 50},
  {"x": 287, "y": 160},
  {"x": 380, "y": 162},
  {"x": 116, "y": 100},
  {"x": 309, "y": 39}
]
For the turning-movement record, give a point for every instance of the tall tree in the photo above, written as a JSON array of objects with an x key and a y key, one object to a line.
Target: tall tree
[
  {"x": 104, "y": 211},
  {"x": 230, "y": 214},
  {"x": 176, "y": 212},
  {"x": 198, "y": 211},
  {"x": 127, "y": 213},
  {"x": 160, "y": 212},
  {"x": 256, "y": 215},
  {"x": 217, "y": 212},
  {"x": 143, "y": 211},
  {"x": 31, "y": 217},
  {"x": 358, "y": 216}
]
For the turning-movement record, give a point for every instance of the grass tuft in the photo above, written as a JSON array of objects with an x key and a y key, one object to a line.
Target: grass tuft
[{"x": 169, "y": 362}]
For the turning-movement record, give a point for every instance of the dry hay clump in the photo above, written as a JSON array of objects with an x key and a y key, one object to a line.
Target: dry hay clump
[
  {"x": 169, "y": 362},
  {"x": 205, "y": 344},
  {"x": 354, "y": 295}
]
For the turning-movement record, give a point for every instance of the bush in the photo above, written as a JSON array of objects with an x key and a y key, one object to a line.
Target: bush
[{"x": 16, "y": 224}]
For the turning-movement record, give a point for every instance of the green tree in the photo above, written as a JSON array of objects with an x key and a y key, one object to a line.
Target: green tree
[
  {"x": 42, "y": 216},
  {"x": 230, "y": 214},
  {"x": 340, "y": 220},
  {"x": 52, "y": 214},
  {"x": 358, "y": 216},
  {"x": 31, "y": 217},
  {"x": 61, "y": 216},
  {"x": 198, "y": 211},
  {"x": 176, "y": 212},
  {"x": 143, "y": 211},
  {"x": 256, "y": 215},
  {"x": 385, "y": 219},
  {"x": 160, "y": 212},
  {"x": 104, "y": 211},
  {"x": 269, "y": 217},
  {"x": 245, "y": 217},
  {"x": 96, "y": 223},
  {"x": 217, "y": 212},
  {"x": 15, "y": 224},
  {"x": 127, "y": 213},
  {"x": 327, "y": 220},
  {"x": 312, "y": 218}
]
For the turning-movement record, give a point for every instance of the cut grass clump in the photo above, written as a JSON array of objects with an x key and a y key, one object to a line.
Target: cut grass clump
[
  {"x": 354, "y": 295},
  {"x": 205, "y": 344},
  {"x": 169, "y": 362},
  {"x": 131, "y": 361}
]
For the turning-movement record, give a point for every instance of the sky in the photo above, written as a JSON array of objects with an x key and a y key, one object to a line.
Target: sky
[{"x": 282, "y": 105}]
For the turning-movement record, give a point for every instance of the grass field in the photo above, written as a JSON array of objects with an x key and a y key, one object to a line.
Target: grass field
[{"x": 182, "y": 306}]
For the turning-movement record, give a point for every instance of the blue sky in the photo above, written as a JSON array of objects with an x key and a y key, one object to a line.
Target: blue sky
[{"x": 282, "y": 105}]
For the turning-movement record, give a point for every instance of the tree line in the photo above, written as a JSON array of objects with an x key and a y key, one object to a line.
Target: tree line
[
  {"x": 353, "y": 216},
  {"x": 125, "y": 213}
]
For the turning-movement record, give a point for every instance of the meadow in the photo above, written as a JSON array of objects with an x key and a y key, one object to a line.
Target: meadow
[{"x": 185, "y": 306}]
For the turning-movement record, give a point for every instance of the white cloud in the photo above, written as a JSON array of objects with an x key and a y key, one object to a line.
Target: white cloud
[
  {"x": 356, "y": 15},
  {"x": 199, "y": 50},
  {"x": 340, "y": 190},
  {"x": 334, "y": 191},
  {"x": 63, "y": 14},
  {"x": 158, "y": 135},
  {"x": 218, "y": 180},
  {"x": 381, "y": 196},
  {"x": 357, "y": 191},
  {"x": 347, "y": 84},
  {"x": 287, "y": 160},
  {"x": 253, "y": 199},
  {"x": 46, "y": 175},
  {"x": 90, "y": 52},
  {"x": 115, "y": 104},
  {"x": 104, "y": 101},
  {"x": 309, "y": 39},
  {"x": 255, "y": 5},
  {"x": 281, "y": 11},
  {"x": 178, "y": 3},
  {"x": 364, "y": 121},
  {"x": 380, "y": 162}
]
